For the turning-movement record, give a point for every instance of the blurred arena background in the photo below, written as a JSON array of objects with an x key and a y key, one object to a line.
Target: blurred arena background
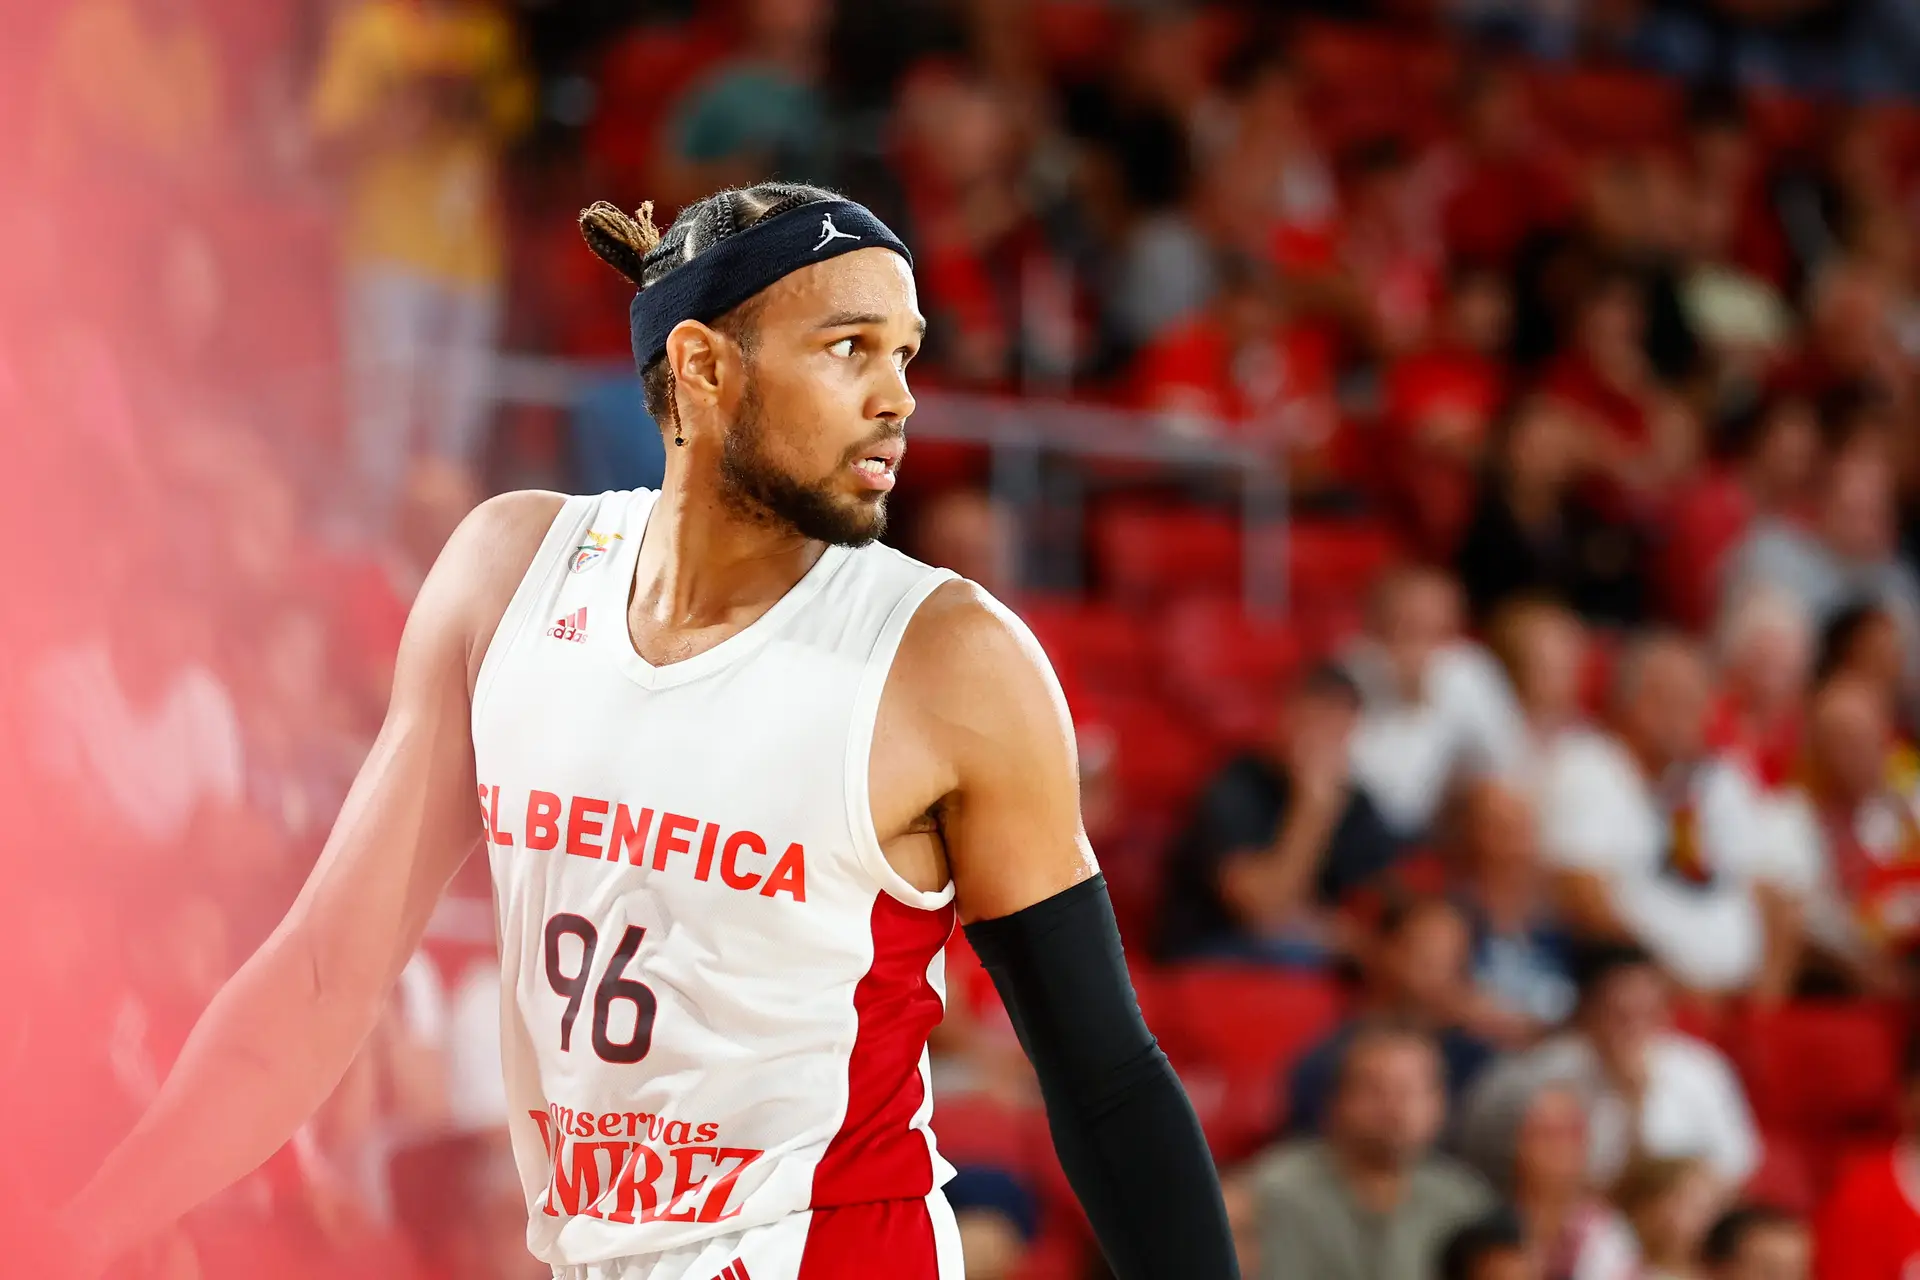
[{"x": 1538, "y": 373}]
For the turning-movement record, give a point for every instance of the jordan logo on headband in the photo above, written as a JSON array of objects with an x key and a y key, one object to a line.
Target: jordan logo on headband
[{"x": 829, "y": 232}]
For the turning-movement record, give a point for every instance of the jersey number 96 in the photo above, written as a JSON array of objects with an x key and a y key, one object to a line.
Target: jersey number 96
[{"x": 612, "y": 989}]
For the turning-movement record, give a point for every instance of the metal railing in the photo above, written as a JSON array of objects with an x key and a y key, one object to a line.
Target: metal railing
[{"x": 1033, "y": 445}]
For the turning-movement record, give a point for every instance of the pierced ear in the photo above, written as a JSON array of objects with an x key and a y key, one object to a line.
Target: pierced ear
[{"x": 693, "y": 356}]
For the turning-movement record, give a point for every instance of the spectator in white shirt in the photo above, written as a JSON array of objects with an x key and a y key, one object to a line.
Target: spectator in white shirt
[
  {"x": 1853, "y": 819},
  {"x": 1436, "y": 711},
  {"x": 1542, "y": 649},
  {"x": 1847, "y": 552},
  {"x": 1648, "y": 1088},
  {"x": 1659, "y": 842},
  {"x": 1534, "y": 1148},
  {"x": 1765, "y": 652}
]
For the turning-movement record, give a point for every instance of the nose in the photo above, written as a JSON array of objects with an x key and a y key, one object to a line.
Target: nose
[{"x": 893, "y": 403}]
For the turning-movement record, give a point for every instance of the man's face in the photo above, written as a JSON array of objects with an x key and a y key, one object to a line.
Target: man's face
[
  {"x": 1319, "y": 721},
  {"x": 1859, "y": 509},
  {"x": 1423, "y": 616},
  {"x": 1390, "y": 1104},
  {"x": 1668, "y": 712},
  {"x": 1776, "y": 1251},
  {"x": 1482, "y": 312},
  {"x": 1613, "y": 321},
  {"x": 1426, "y": 963},
  {"x": 1770, "y": 664},
  {"x": 1628, "y": 1010},
  {"x": 1545, "y": 448},
  {"x": 1552, "y": 665},
  {"x": 1849, "y": 738},
  {"x": 1550, "y": 1150},
  {"x": 818, "y": 424},
  {"x": 1876, "y": 653},
  {"x": 1502, "y": 839}
]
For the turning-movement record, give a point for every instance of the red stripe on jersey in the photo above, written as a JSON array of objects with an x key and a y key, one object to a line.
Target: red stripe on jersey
[
  {"x": 890, "y": 1240},
  {"x": 877, "y": 1155}
]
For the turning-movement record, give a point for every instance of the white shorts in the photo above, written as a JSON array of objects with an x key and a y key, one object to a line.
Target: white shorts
[{"x": 883, "y": 1240}]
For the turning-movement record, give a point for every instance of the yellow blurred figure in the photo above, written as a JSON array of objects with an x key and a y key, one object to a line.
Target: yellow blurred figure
[{"x": 414, "y": 101}]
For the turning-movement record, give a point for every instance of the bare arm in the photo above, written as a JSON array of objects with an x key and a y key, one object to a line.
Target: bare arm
[
  {"x": 1265, "y": 888},
  {"x": 1586, "y": 904},
  {"x": 1011, "y": 823},
  {"x": 278, "y": 1037},
  {"x": 1024, "y": 879}
]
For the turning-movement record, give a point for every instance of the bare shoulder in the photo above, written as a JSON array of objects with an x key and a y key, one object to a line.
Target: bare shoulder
[
  {"x": 509, "y": 527},
  {"x": 481, "y": 566},
  {"x": 987, "y": 706},
  {"x": 976, "y": 671}
]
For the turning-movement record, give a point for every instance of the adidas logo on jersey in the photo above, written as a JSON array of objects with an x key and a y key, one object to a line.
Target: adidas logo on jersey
[
  {"x": 735, "y": 1270},
  {"x": 571, "y": 627}
]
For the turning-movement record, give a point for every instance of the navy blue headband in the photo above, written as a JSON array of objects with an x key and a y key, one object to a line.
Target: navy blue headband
[{"x": 721, "y": 277}]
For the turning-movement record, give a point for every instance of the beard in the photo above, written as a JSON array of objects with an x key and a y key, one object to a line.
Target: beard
[{"x": 755, "y": 485}]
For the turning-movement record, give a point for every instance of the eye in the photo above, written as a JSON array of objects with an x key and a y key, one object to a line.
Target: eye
[{"x": 843, "y": 348}]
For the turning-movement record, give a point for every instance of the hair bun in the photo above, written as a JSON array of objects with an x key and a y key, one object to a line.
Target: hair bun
[{"x": 620, "y": 241}]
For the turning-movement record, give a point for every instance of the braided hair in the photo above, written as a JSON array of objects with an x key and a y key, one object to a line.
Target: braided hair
[{"x": 638, "y": 250}]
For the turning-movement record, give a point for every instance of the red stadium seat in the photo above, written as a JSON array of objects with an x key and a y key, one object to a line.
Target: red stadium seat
[
  {"x": 1709, "y": 517},
  {"x": 1335, "y": 561},
  {"x": 1596, "y": 680},
  {"x": 1785, "y": 1178},
  {"x": 1821, "y": 1069},
  {"x": 974, "y": 1129},
  {"x": 1249, "y": 1020},
  {"x": 1606, "y": 108},
  {"x": 1235, "y": 1032},
  {"x": 640, "y": 78},
  {"x": 1076, "y": 35},
  {"x": 1095, "y": 647},
  {"x": 1366, "y": 81},
  {"x": 1899, "y": 125},
  {"x": 1148, "y": 553},
  {"x": 1704, "y": 1021},
  {"x": 1135, "y": 865},
  {"x": 1162, "y": 757},
  {"x": 1061, "y": 1253},
  {"x": 1228, "y": 666},
  {"x": 1785, "y": 122}
]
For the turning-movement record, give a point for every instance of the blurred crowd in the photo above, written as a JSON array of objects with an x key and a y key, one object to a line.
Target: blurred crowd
[{"x": 1535, "y": 900}]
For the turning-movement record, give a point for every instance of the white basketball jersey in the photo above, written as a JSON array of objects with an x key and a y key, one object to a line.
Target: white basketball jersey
[{"x": 716, "y": 992}]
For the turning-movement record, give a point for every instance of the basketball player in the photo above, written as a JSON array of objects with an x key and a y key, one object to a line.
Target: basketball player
[{"x": 737, "y": 767}]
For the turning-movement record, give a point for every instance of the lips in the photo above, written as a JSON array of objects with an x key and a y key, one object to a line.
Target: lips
[
  {"x": 877, "y": 463},
  {"x": 874, "y": 473}
]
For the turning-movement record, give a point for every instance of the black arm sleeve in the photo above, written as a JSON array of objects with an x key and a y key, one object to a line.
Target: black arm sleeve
[{"x": 1126, "y": 1135}]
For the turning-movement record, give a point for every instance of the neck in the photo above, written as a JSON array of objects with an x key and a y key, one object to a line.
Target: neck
[
  {"x": 795, "y": 56},
  {"x": 1505, "y": 898},
  {"x": 1545, "y": 1209},
  {"x": 1671, "y": 1260},
  {"x": 1534, "y": 504},
  {"x": 1653, "y": 764},
  {"x": 702, "y": 561},
  {"x": 1377, "y": 1188}
]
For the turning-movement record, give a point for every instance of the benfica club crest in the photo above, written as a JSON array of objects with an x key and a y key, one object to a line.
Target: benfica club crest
[{"x": 590, "y": 552}]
